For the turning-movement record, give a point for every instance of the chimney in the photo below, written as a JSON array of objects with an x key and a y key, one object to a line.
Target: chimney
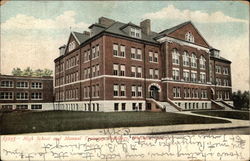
[
  {"x": 86, "y": 33},
  {"x": 146, "y": 26},
  {"x": 105, "y": 21},
  {"x": 62, "y": 49}
]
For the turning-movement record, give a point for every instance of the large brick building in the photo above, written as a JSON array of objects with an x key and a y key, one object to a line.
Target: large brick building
[
  {"x": 125, "y": 67},
  {"x": 21, "y": 92}
]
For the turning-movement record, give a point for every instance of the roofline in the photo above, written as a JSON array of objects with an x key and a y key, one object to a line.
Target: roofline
[
  {"x": 95, "y": 24},
  {"x": 26, "y": 77},
  {"x": 175, "y": 26},
  {"x": 76, "y": 38},
  {"x": 228, "y": 61}
]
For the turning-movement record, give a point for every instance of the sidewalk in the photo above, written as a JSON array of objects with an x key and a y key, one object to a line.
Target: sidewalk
[{"x": 159, "y": 129}]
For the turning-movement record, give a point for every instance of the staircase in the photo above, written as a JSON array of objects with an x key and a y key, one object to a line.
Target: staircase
[
  {"x": 164, "y": 105},
  {"x": 223, "y": 105}
]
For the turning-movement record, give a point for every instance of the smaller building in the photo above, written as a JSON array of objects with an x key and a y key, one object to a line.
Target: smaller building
[{"x": 25, "y": 92}]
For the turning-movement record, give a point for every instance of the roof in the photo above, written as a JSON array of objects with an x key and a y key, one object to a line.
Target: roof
[
  {"x": 129, "y": 24},
  {"x": 221, "y": 59},
  {"x": 25, "y": 77},
  {"x": 81, "y": 37},
  {"x": 172, "y": 29}
]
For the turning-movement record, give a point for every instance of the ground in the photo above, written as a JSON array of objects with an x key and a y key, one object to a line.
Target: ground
[
  {"x": 241, "y": 115},
  {"x": 48, "y": 121}
]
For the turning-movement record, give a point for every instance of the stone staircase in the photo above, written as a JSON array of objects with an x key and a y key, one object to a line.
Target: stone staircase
[
  {"x": 223, "y": 105},
  {"x": 167, "y": 107}
]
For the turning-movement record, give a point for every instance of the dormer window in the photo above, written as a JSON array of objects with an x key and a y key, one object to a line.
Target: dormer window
[
  {"x": 135, "y": 32},
  {"x": 72, "y": 46},
  {"x": 216, "y": 54},
  {"x": 189, "y": 37}
]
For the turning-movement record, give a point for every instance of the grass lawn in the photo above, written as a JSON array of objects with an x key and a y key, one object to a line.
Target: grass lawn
[
  {"x": 48, "y": 121},
  {"x": 241, "y": 115}
]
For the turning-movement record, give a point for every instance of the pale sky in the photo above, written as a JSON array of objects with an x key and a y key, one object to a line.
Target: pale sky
[{"x": 32, "y": 31}]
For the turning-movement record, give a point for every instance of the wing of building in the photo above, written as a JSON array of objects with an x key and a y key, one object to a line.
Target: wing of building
[{"x": 127, "y": 67}]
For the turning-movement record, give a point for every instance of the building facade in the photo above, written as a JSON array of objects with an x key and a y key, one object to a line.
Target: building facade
[
  {"x": 21, "y": 92},
  {"x": 125, "y": 67}
]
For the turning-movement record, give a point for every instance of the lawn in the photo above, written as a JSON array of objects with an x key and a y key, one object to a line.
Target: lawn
[
  {"x": 48, "y": 121},
  {"x": 241, "y": 115}
]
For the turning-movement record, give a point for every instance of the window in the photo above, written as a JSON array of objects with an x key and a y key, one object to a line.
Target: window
[
  {"x": 22, "y": 85},
  {"x": 8, "y": 84},
  {"x": 122, "y": 72},
  {"x": 116, "y": 89},
  {"x": 35, "y": 107},
  {"x": 176, "y": 74},
  {"x": 196, "y": 93},
  {"x": 189, "y": 37},
  {"x": 226, "y": 82},
  {"x": 139, "y": 72},
  {"x": 225, "y": 71},
  {"x": 203, "y": 77},
  {"x": 150, "y": 56},
  {"x": 134, "y": 107},
  {"x": 203, "y": 93},
  {"x": 134, "y": 32},
  {"x": 139, "y": 54},
  {"x": 123, "y": 90},
  {"x": 156, "y": 73},
  {"x": 115, "y": 69},
  {"x": 133, "y": 53},
  {"x": 6, "y": 95},
  {"x": 115, "y": 49},
  {"x": 186, "y": 75},
  {"x": 185, "y": 58},
  {"x": 72, "y": 46},
  {"x": 140, "y": 106},
  {"x": 116, "y": 106},
  {"x": 21, "y": 107},
  {"x": 36, "y": 85},
  {"x": 36, "y": 96},
  {"x": 123, "y": 51},
  {"x": 97, "y": 70},
  {"x": 218, "y": 69},
  {"x": 193, "y": 76},
  {"x": 7, "y": 107},
  {"x": 177, "y": 92},
  {"x": 88, "y": 72},
  {"x": 133, "y": 71},
  {"x": 133, "y": 90},
  {"x": 151, "y": 73},
  {"x": 93, "y": 53},
  {"x": 193, "y": 61},
  {"x": 93, "y": 71},
  {"x": 202, "y": 63},
  {"x": 97, "y": 51},
  {"x": 123, "y": 106},
  {"x": 218, "y": 81},
  {"x": 156, "y": 57},
  {"x": 139, "y": 91},
  {"x": 97, "y": 90},
  {"x": 22, "y": 96},
  {"x": 175, "y": 57}
]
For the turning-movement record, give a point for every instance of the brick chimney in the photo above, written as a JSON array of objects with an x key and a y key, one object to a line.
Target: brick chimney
[
  {"x": 146, "y": 26},
  {"x": 62, "y": 49},
  {"x": 105, "y": 21}
]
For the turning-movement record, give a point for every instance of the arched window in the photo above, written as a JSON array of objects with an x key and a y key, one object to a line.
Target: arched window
[
  {"x": 189, "y": 37},
  {"x": 176, "y": 57},
  {"x": 202, "y": 62},
  {"x": 193, "y": 60},
  {"x": 186, "y": 59}
]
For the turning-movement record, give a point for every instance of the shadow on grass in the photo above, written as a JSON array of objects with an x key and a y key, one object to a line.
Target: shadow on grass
[{"x": 226, "y": 114}]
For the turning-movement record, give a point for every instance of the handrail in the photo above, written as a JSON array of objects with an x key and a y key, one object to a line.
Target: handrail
[
  {"x": 227, "y": 104},
  {"x": 173, "y": 104}
]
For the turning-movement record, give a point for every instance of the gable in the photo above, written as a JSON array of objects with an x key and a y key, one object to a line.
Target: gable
[
  {"x": 72, "y": 43},
  {"x": 181, "y": 32}
]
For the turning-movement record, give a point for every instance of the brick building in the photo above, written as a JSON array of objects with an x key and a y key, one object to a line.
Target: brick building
[
  {"x": 126, "y": 67},
  {"x": 21, "y": 92}
]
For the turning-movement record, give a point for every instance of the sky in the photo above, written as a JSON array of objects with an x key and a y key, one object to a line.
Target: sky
[{"x": 32, "y": 31}]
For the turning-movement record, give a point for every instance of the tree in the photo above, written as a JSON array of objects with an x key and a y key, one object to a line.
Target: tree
[
  {"x": 38, "y": 73},
  {"x": 17, "y": 72},
  {"x": 47, "y": 72},
  {"x": 27, "y": 72},
  {"x": 241, "y": 100}
]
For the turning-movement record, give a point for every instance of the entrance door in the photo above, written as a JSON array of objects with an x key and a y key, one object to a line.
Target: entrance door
[{"x": 154, "y": 92}]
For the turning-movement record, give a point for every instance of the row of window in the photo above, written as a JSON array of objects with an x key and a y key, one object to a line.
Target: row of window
[
  {"x": 23, "y": 84},
  {"x": 122, "y": 106},
  {"x": 95, "y": 71},
  {"x": 189, "y": 76},
  {"x": 189, "y": 93},
  {"x": 120, "y": 90},
  {"x": 72, "y": 62},
  {"x": 95, "y": 53},
  {"x": 72, "y": 77},
  {"x": 95, "y": 91},
  {"x": 188, "y": 60},
  {"x": 59, "y": 67},
  {"x": 72, "y": 94},
  {"x": 136, "y": 53},
  {"x": 220, "y": 70},
  {"x": 220, "y": 95},
  {"x": 20, "y": 96},
  {"x": 219, "y": 82}
]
